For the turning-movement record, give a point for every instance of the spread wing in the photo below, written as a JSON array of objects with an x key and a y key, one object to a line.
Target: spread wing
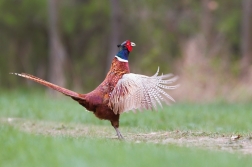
[{"x": 134, "y": 91}]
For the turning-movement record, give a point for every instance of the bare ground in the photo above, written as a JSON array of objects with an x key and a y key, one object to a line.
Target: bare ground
[{"x": 213, "y": 141}]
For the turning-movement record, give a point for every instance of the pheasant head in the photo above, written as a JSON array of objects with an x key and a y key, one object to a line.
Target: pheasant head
[{"x": 125, "y": 48}]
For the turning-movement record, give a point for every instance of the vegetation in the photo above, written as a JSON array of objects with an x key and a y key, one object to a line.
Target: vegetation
[
  {"x": 21, "y": 149},
  {"x": 207, "y": 43},
  {"x": 205, "y": 38},
  {"x": 216, "y": 117},
  {"x": 61, "y": 133}
]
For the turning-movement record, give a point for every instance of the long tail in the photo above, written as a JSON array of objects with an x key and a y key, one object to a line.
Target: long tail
[{"x": 65, "y": 91}]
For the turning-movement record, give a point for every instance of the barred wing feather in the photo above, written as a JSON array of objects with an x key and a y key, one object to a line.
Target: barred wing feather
[{"x": 137, "y": 92}]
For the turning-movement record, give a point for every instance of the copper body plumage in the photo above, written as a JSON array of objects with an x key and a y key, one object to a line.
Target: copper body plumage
[
  {"x": 97, "y": 100},
  {"x": 120, "y": 91}
]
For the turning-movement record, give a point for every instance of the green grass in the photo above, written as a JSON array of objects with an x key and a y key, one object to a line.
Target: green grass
[
  {"x": 18, "y": 148},
  {"x": 216, "y": 117}
]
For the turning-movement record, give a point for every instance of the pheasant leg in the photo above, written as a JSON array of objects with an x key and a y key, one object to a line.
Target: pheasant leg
[{"x": 119, "y": 134}]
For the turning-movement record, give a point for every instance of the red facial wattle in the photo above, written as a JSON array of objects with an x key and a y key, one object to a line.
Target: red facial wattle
[{"x": 128, "y": 46}]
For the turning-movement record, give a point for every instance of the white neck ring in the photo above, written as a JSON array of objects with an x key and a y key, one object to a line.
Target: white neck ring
[{"x": 120, "y": 59}]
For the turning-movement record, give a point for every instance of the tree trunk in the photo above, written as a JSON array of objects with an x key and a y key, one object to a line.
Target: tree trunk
[
  {"x": 246, "y": 35},
  {"x": 57, "y": 54},
  {"x": 206, "y": 24},
  {"x": 115, "y": 31}
]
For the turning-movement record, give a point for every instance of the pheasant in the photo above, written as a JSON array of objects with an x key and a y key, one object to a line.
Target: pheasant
[{"x": 121, "y": 91}]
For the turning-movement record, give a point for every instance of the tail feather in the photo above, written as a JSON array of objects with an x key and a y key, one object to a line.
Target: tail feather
[{"x": 51, "y": 85}]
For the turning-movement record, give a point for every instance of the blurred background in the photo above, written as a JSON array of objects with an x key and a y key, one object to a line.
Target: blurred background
[{"x": 208, "y": 43}]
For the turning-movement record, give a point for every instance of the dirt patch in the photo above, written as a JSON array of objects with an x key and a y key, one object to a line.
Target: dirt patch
[
  {"x": 213, "y": 141},
  {"x": 230, "y": 143},
  {"x": 55, "y": 128}
]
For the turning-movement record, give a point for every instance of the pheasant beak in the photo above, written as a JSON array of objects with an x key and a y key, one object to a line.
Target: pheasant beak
[
  {"x": 132, "y": 44},
  {"x": 129, "y": 45}
]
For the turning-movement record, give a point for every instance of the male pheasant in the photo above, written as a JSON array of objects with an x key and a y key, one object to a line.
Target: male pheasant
[{"x": 120, "y": 91}]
